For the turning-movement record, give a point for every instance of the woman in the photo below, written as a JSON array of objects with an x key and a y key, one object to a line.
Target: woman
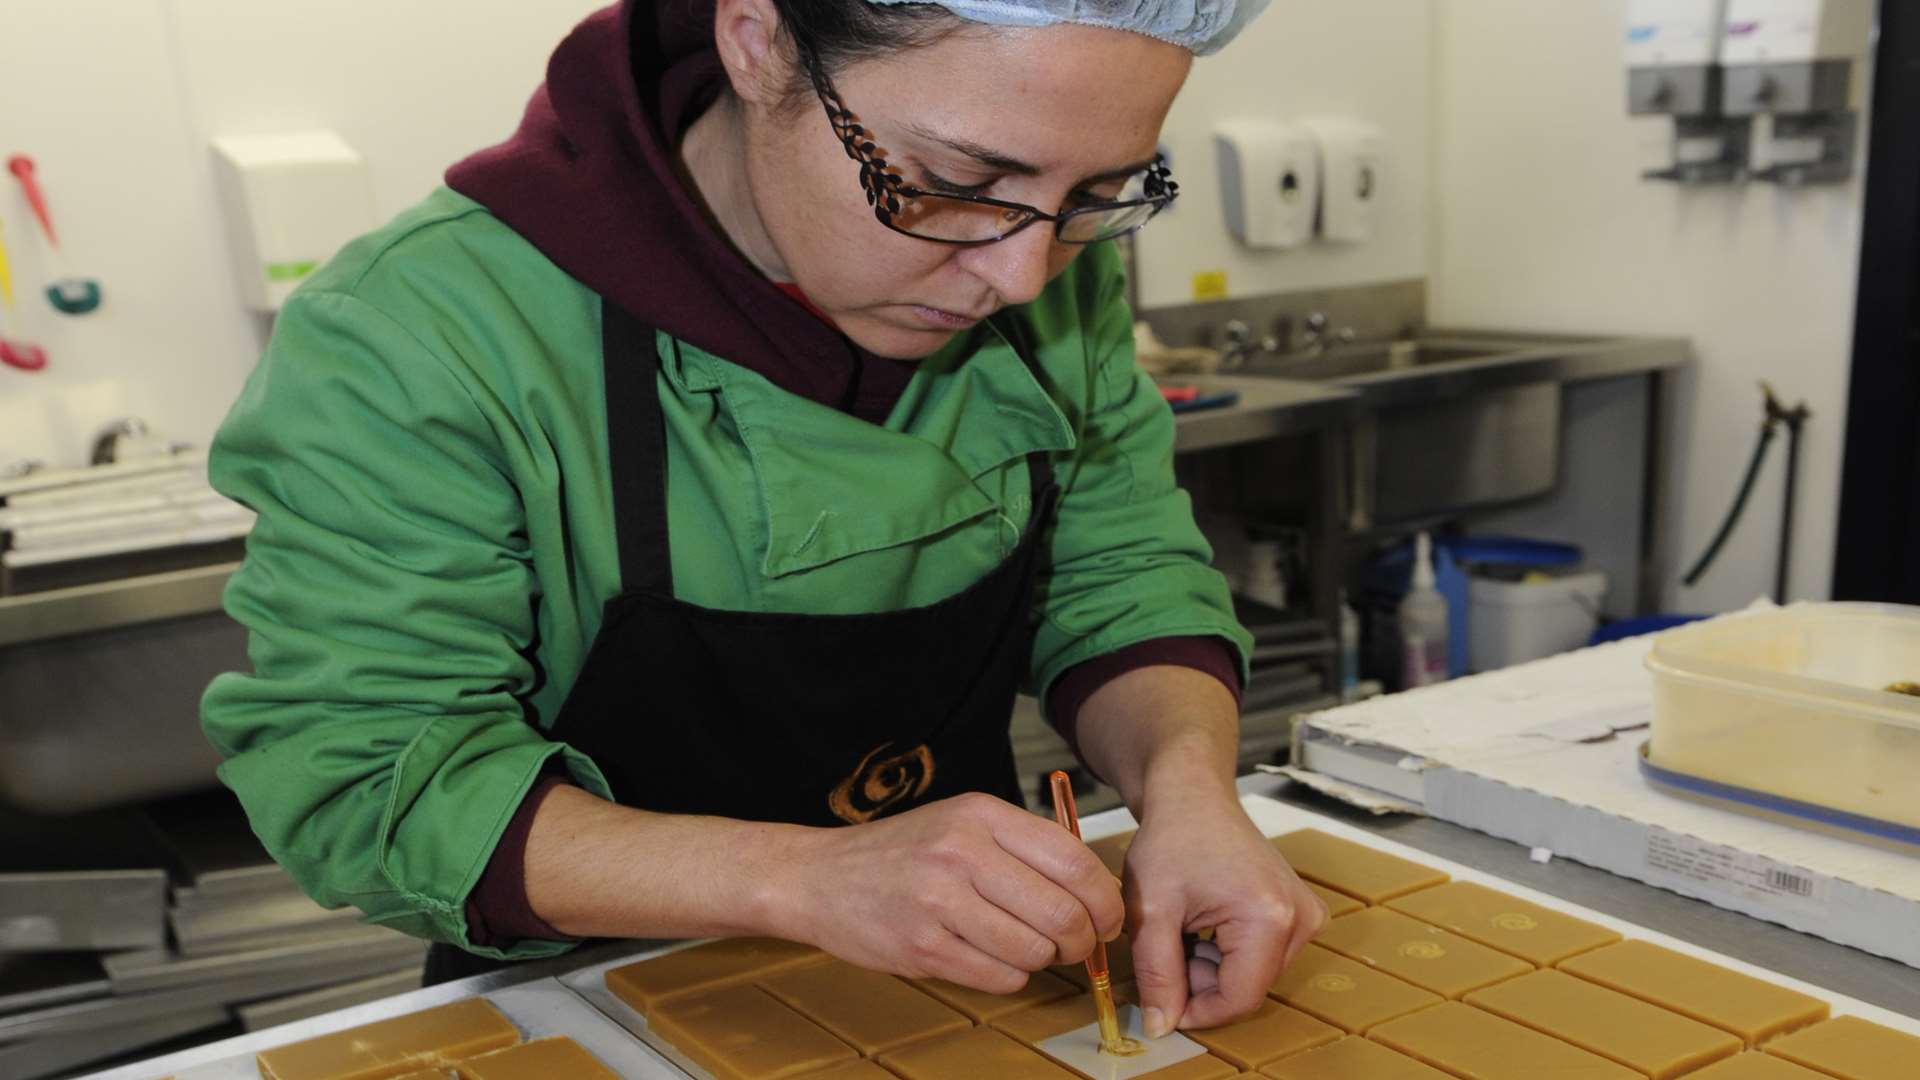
[{"x": 656, "y": 524}]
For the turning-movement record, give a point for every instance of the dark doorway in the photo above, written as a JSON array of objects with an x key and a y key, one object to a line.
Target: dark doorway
[{"x": 1878, "y": 552}]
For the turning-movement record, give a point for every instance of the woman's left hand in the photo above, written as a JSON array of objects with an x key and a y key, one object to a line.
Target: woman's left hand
[{"x": 1198, "y": 863}]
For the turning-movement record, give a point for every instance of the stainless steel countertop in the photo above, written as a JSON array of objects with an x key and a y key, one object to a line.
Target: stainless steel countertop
[
  {"x": 1543, "y": 358},
  {"x": 1268, "y": 407},
  {"x": 1842, "y": 970}
]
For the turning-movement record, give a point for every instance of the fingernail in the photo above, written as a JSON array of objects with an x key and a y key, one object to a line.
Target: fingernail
[{"x": 1154, "y": 1022}]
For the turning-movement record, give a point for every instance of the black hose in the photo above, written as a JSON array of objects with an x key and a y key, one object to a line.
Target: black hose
[
  {"x": 1786, "y": 516},
  {"x": 1739, "y": 506}
]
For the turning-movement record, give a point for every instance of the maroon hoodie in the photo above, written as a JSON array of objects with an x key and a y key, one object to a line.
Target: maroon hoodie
[{"x": 592, "y": 180}]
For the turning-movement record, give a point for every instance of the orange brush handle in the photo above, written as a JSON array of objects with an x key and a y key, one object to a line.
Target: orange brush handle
[{"x": 1069, "y": 819}]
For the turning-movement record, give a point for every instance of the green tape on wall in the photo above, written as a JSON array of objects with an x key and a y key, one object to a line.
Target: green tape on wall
[{"x": 290, "y": 271}]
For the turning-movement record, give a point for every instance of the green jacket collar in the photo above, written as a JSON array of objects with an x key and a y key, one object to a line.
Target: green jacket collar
[{"x": 974, "y": 407}]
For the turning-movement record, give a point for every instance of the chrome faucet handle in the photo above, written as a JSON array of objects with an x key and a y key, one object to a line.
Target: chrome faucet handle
[
  {"x": 1319, "y": 335},
  {"x": 1240, "y": 344}
]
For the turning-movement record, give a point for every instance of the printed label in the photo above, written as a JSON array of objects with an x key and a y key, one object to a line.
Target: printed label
[
  {"x": 1424, "y": 664},
  {"x": 1672, "y": 858},
  {"x": 1210, "y": 285}
]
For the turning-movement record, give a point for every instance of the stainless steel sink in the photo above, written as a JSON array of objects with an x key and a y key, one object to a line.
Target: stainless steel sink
[
  {"x": 1452, "y": 363},
  {"x": 1453, "y": 420},
  {"x": 1351, "y": 361}
]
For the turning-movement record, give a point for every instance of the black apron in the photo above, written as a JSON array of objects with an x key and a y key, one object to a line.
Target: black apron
[{"x": 808, "y": 719}]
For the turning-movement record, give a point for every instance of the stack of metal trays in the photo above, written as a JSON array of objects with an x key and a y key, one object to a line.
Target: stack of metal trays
[
  {"x": 1293, "y": 660},
  {"x": 222, "y": 941},
  {"x": 61, "y": 528}
]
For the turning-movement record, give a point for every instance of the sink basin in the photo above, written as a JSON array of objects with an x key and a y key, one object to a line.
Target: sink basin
[
  {"x": 1489, "y": 400},
  {"x": 1352, "y": 361}
]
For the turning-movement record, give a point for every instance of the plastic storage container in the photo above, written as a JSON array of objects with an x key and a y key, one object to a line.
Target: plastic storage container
[
  {"x": 1512, "y": 622},
  {"x": 1786, "y": 712}
]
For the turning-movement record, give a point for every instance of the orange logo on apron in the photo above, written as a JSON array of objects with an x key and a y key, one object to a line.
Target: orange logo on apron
[{"x": 879, "y": 782}]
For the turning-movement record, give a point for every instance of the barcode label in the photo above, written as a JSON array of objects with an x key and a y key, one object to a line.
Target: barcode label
[
  {"x": 1697, "y": 868},
  {"x": 1793, "y": 883}
]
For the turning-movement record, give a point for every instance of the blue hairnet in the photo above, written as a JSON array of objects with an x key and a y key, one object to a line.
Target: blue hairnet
[{"x": 1204, "y": 26}]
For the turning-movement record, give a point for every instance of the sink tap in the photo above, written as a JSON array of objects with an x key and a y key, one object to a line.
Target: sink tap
[
  {"x": 1319, "y": 338},
  {"x": 1241, "y": 345}
]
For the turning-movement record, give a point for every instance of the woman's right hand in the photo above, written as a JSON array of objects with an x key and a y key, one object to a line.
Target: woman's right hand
[{"x": 970, "y": 889}]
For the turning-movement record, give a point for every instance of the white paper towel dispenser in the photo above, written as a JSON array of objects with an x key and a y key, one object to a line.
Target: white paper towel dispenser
[
  {"x": 1269, "y": 182},
  {"x": 1352, "y": 158},
  {"x": 291, "y": 201}
]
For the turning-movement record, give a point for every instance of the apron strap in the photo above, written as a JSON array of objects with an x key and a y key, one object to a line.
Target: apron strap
[
  {"x": 637, "y": 450},
  {"x": 1039, "y": 480}
]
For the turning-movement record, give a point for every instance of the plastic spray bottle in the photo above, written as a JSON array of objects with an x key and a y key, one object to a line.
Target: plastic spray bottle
[{"x": 1423, "y": 623}]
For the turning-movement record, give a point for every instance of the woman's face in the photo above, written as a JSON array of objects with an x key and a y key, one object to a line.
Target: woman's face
[{"x": 1027, "y": 115}]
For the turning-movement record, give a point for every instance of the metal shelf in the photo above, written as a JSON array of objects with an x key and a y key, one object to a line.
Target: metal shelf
[{"x": 112, "y": 604}]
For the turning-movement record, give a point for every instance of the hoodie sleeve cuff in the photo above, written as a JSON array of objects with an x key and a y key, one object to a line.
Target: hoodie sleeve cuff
[
  {"x": 498, "y": 912},
  {"x": 1070, "y": 692}
]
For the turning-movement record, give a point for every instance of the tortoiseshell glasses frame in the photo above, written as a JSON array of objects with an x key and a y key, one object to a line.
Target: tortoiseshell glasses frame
[{"x": 971, "y": 220}]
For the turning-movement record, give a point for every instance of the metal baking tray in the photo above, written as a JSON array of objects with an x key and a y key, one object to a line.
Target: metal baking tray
[
  {"x": 36, "y": 1058},
  {"x": 273, "y": 1012},
  {"x": 360, "y": 948},
  {"x": 42, "y": 980},
  {"x": 254, "y": 921},
  {"x": 99, "y": 1014},
  {"x": 89, "y": 882},
  {"x": 86, "y": 910}
]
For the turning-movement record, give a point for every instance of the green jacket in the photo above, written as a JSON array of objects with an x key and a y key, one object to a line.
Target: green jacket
[{"x": 425, "y": 445}]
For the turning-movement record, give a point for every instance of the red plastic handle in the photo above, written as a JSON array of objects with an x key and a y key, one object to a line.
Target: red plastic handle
[
  {"x": 21, "y": 166},
  {"x": 24, "y": 357}
]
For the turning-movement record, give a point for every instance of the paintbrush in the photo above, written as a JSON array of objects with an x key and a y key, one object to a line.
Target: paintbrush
[{"x": 1111, "y": 1041}]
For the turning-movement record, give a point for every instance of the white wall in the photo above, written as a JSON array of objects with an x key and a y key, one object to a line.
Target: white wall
[
  {"x": 117, "y": 100},
  {"x": 1371, "y": 60},
  {"x": 1541, "y": 222}
]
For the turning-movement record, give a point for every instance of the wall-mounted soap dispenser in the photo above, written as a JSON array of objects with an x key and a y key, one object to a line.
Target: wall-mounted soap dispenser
[
  {"x": 1673, "y": 49},
  {"x": 1352, "y": 175},
  {"x": 1269, "y": 182},
  {"x": 1797, "y": 62},
  {"x": 1673, "y": 69}
]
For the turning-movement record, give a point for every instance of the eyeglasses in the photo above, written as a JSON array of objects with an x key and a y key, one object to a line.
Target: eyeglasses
[{"x": 950, "y": 218}]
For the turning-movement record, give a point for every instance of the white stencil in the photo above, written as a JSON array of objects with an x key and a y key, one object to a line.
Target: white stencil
[{"x": 1079, "y": 1050}]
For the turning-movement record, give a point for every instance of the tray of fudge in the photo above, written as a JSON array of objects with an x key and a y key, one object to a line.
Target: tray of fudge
[{"x": 1428, "y": 970}]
